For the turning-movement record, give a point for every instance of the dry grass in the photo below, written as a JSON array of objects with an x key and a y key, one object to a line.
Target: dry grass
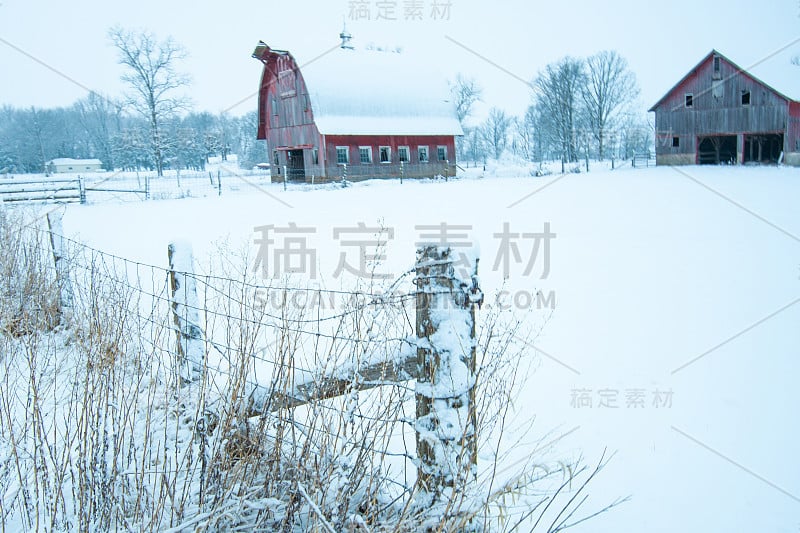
[{"x": 98, "y": 431}]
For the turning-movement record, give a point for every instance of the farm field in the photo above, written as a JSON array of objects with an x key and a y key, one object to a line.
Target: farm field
[{"x": 668, "y": 317}]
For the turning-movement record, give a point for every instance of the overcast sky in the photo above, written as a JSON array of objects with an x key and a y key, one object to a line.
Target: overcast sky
[{"x": 497, "y": 42}]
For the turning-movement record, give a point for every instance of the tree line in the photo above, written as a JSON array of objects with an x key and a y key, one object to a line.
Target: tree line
[
  {"x": 95, "y": 128},
  {"x": 150, "y": 127},
  {"x": 580, "y": 108}
]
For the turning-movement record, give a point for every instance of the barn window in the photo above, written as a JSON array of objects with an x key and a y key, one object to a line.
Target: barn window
[
  {"x": 315, "y": 156},
  {"x": 676, "y": 142},
  {"x": 745, "y": 97},
  {"x": 386, "y": 154},
  {"x": 689, "y": 101},
  {"x": 402, "y": 153},
  {"x": 441, "y": 152},
  {"x": 342, "y": 155},
  {"x": 717, "y": 71},
  {"x": 275, "y": 158},
  {"x": 365, "y": 154},
  {"x": 274, "y": 106},
  {"x": 422, "y": 152}
]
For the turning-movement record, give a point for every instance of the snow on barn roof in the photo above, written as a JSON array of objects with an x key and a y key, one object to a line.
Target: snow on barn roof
[
  {"x": 379, "y": 92},
  {"x": 70, "y": 161}
]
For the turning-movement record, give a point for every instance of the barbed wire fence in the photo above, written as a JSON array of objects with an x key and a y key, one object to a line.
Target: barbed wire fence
[
  {"x": 157, "y": 398},
  {"x": 208, "y": 355}
]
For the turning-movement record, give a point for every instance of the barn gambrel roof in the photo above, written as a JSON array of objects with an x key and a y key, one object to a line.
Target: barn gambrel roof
[{"x": 378, "y": 92}]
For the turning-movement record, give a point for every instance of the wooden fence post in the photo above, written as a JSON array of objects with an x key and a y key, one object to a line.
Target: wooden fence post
[
  {"x": 186, "y": 310},
  {"x": 219, "y": 183},
  {"x": 55, "y": 225},
  {"x": 81, "y": 190},
  {"x": 445, "y": 390}
]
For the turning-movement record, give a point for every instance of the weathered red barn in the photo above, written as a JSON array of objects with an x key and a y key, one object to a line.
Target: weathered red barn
[
  {"x": 719, "y": 113},
  {"x": 369, "y": 113}
]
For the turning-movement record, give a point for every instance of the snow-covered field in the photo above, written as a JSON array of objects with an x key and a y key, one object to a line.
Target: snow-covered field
[{"x": 673, "y": 340}]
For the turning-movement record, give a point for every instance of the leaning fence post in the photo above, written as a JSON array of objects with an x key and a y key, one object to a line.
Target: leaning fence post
[
  {"x": 447, "y": 292},
  {"x": 56, "y": 227},
  {"x": 186, "y": 310}
]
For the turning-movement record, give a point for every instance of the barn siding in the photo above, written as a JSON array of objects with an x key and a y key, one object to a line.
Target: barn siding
[
  {"x": 717, "y": 109},
  {"x": 376, "y": 169}
]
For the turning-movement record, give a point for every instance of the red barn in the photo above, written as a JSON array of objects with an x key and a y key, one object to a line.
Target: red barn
[
  {"x": 719, "y": 113},
  {"x": 361, "y": 113}
]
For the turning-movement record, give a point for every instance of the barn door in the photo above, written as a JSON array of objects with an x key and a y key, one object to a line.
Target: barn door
[{"x": 296, "y": 165}]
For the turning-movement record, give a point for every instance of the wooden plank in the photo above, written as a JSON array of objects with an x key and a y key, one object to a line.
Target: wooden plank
[
  {"x": 327, "y": 387},
  {"x": 42, "y": 198},
  {"x": 37, "y": 182},
  {"x": 38, "y": 190}
]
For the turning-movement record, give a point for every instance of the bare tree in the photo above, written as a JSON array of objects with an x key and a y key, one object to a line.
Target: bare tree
[
  {"x": 465, "y": 92},
  {"x": 100, "y": 120},
  {"x": 558, "y": 97},
  {"x": 610, "y": 87},
  {"x": 636, "y": 135},
  {"x": 153, "y": 80},
  {"x": 495, "y": 131},
  {"x": 472, "y": 145},
  {"x": 526, "y": 135}
]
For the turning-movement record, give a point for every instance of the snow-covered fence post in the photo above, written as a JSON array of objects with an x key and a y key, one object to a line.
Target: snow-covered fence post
[
  {"x": 56, "y": 229},
  {"x": 402, "y": 172},
  {"x": 219, "y": 183},
  {"x": 447, "y": 292},
  {"x": 146, "y": 187},
  {"x": 285, "y": 177},
  {"x": 186, "y": 310}
]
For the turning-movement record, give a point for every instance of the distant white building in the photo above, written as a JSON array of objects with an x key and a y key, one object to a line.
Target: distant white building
[{"x": 66, "y": 164}]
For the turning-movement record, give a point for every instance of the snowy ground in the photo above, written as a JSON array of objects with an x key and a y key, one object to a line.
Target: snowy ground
[{"x": 651, "y": 269}]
